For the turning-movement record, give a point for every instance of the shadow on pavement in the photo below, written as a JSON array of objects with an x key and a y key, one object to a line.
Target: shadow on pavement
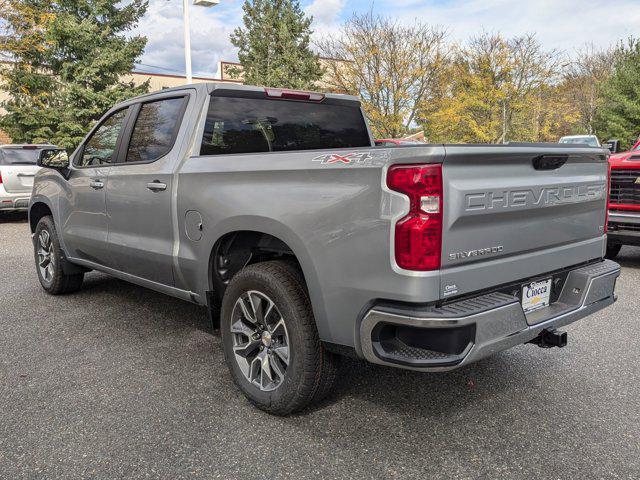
[
  {"x": 629, "y": 257},
  {"x": 432, "y": 394},
  {"x": 13, "y": 217},
  {"x": 158, "y": 307}
]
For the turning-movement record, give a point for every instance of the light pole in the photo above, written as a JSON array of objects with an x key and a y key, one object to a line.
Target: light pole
[{"x": 187, "y": 32}]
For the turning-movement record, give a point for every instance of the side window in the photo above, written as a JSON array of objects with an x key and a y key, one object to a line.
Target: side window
[
  {"x": 101, "y": 146},
  {"x": 155, "y": 129}
]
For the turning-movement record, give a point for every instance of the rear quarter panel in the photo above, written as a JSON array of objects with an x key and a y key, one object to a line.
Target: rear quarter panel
[{"x": 335, "y": 216}]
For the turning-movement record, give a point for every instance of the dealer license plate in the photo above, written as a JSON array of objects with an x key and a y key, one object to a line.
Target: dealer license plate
[{"x": 535, "y": 295}]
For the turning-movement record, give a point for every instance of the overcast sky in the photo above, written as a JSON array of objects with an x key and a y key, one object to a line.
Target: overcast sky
[{"x": 562, "y": 24}]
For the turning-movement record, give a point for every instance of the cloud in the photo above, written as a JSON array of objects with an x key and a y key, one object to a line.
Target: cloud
[
  {"x": 561, "y": 24},
  {"x": 210, "y": 30},
  {"x": 326, "y": 12}
]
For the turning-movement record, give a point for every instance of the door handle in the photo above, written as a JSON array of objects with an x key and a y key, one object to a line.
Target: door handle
[
  {"x": 156, "y": 186},
  {"x": 96, "y": 184}
]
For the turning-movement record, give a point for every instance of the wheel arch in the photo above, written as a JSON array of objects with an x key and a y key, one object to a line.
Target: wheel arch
[
  {"x": 40, "y": 208},
  {"x": 37, "y": 210},
  {"x": 239, "y": 248},
  {"x": 266, "y": 239}
]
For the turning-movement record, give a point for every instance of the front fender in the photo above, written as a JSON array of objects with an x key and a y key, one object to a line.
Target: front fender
[{"x": 47, "y": 187}]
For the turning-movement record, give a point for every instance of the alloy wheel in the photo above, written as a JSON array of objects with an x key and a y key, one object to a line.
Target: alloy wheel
[
  {"x": 46, "y": 260},
  {"x": 260, "y": 340}
]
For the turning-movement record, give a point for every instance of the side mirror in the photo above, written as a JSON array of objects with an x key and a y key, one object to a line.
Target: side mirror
[
  {"x": 613, "y": 146},
  {"x": 55, "y": 158}
]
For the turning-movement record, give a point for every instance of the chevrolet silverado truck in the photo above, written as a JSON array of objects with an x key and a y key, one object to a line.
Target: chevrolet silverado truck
[
  {"x": 624, "y": 201},
  {"x": 274, "y": 210}
]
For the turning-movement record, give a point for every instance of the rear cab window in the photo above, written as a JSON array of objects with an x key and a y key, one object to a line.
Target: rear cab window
[
  {"x": 155, "y": 129},
  {"x": 251, "y": 125}
]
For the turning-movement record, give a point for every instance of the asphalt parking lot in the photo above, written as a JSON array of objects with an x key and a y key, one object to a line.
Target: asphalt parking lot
[{"x": 121, "y": 382}]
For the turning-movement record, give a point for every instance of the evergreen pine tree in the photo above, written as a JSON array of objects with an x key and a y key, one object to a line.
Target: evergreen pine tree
[
  {"x": 68, "y": 57},
  {"x": 619, "y": 117},
  {"x": 274, "y": 45}
]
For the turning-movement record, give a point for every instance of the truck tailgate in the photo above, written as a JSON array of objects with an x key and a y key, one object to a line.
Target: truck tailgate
[{"x": 515, "y": 211}]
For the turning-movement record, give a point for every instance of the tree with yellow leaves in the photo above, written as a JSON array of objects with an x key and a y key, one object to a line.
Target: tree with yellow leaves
[
  {"x": 494, "y": 92},
  {"x": 23, "y": 27}
]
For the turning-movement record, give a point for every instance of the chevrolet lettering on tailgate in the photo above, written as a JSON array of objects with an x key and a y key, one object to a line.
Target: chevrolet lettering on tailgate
[{"x": 533, "y": 197}]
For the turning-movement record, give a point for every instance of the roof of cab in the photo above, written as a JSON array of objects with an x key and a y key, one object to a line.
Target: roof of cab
[{"x": 251, "y": 88}]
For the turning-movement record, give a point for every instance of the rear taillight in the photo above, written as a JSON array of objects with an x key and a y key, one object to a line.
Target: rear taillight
[
  {"x": 418, "y": 235},
  {"x": 0, "y": 177}
]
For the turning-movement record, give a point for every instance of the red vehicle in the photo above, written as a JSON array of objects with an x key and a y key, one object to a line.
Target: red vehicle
[{"x": 624, "y": 200}]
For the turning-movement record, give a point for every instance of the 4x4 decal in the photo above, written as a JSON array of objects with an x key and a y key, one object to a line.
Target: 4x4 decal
[{"x": 351, "y": 158}]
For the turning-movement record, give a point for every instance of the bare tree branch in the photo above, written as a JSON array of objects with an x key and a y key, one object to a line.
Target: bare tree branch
[{"x": 392, "y": 67}]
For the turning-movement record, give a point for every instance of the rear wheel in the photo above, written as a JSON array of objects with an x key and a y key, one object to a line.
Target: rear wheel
[
  {"x": 613, "y": 249},
  {"x": 270, "y": 340},
  {"x": 49, "y": 257}
]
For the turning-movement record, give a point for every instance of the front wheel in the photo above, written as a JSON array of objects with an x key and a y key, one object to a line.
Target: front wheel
[
  {"x": 48, "y": 257},
  {"x": 613, "y": 249},
  {"x": 270, "y": 340}
]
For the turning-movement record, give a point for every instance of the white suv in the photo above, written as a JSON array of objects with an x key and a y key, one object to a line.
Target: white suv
[
  {"x": 17, "y": 169},
  {"x": 590, "y": 140}
]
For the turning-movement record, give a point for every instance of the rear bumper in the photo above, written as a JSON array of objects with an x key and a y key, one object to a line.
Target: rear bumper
[
  {"x": 624, "y": 228},
  {"x": 462, "y": 332},
  {"x": 14, "y": 201}
]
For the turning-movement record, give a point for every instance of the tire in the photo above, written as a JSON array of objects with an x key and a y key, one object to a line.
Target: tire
[
  {"x": 51, "y": 275},
  {"x": 256, "y": 345},
  {"x": 613, "y": 249}
]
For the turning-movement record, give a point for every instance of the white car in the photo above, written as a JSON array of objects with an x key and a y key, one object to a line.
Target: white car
[
  {"x": 18, "y": 166},
  {"x": 590, "y": 140}
]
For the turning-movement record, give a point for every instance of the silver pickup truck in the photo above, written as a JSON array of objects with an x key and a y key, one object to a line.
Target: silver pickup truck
[{"x": 274, "y": 210}]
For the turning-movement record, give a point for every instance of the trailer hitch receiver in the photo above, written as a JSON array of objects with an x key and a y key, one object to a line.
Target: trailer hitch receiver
[{"x": 550, "y": 338}]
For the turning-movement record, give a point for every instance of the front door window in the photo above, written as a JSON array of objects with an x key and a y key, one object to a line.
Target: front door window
[{"x": 100, "y": 149}]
